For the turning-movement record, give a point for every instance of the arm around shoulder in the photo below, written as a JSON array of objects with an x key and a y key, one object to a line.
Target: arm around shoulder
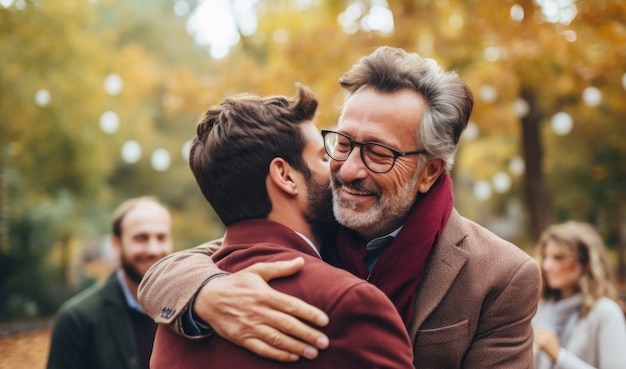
[{"x": 170, "y": 284}]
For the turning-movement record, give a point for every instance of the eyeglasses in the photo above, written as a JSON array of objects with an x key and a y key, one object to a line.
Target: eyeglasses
[{"x": 377, "y": 157}]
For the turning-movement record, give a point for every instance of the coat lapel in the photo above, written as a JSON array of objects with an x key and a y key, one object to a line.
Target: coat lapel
[
  {"x": 119, "y": 324},
  {"x": 445, "y": 263}
]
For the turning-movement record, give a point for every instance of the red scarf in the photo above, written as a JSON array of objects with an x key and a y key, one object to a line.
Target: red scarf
[{"x": 401, "y": 265}]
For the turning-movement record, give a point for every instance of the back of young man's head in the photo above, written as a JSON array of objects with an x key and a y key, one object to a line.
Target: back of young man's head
[{"x": 236, "y": 141}]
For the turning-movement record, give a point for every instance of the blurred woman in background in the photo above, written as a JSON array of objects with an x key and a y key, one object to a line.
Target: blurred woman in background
[{"x": 578, "y": 323}]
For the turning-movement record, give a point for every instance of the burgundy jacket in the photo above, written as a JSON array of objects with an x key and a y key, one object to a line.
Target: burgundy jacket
[
  {"x": 365, "y": 331},
  {"x": 472, "y": 310}
]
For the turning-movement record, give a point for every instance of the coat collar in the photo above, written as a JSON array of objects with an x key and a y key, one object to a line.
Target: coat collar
[{"x": 248, "y": 233}]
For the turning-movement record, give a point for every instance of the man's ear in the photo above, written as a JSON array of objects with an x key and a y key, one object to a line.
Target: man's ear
[
  {"x": 282, "y": 175},
  {"x": 429, "y": 174}
]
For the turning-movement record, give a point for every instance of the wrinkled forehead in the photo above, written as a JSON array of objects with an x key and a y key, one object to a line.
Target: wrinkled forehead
[{"x": 389, "y": 117}]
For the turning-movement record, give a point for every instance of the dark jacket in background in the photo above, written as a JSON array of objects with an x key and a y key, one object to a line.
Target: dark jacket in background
[{"x": 94, "y": 330}]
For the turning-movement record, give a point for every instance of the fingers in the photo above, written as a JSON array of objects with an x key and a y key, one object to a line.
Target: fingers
[
  {"x": 286, "y": 303},
  {"x": 262, "y": 349},
  {"x": 288, "y": 333},
  {"x": 273, "y": 344},
  {"x": 269, "y": 333},
  {"x": 546, "y": 340},
  {"x": 245, "y": 310},
  {"x": 276, "y": 269},
  {"x": 297, "y": 308}
]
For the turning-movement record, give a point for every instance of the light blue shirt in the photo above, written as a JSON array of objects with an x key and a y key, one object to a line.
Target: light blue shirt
[{"x": 130, "y": 299}]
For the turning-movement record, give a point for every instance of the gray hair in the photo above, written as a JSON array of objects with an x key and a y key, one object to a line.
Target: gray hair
[{"x": 449, "y": 101}]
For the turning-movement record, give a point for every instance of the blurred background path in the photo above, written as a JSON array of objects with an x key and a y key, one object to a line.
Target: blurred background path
[{"x": 24, "y": 347}]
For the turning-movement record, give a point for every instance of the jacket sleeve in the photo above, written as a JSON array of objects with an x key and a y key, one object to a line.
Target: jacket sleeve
[
  {"x": 504, "y": 337},
  {"x": 170, "y": 284}
]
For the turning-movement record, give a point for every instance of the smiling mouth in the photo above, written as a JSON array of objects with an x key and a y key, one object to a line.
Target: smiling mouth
[
  {"x": 354, "y": 188},
  {"x": 355, "y": 192}
]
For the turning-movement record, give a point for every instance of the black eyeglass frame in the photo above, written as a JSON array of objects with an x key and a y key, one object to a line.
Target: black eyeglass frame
[{"x": 396, "y": 153}]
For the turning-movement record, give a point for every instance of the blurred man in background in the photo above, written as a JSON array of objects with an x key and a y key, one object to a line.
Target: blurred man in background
[{"x": 104, "y": 326}]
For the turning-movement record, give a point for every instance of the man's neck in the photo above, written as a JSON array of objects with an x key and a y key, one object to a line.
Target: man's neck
[
  {"x": 297, "y": 224},
  {"x": 131, "y": 284},
  {"x": 129, "y": 288}
]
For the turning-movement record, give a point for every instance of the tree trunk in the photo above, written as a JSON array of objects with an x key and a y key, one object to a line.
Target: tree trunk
[{"x": 538, "y": 206}]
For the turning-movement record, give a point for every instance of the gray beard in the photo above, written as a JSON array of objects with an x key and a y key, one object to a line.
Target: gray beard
[{"x": 383, "y": 218}]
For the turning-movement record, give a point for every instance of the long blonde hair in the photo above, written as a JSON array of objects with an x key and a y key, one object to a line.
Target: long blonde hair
[{"x": 582, "y": 240}]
